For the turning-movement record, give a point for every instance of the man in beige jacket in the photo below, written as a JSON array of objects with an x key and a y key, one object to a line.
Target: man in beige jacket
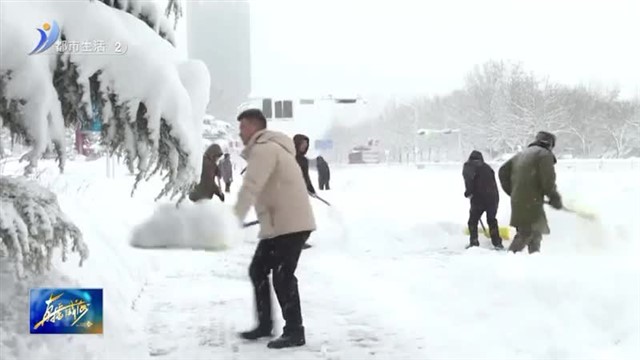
[{"x": 274, "y": 185}]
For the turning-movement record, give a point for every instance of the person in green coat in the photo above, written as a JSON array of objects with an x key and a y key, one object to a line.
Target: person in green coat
[{"x": 527, "y": 178}]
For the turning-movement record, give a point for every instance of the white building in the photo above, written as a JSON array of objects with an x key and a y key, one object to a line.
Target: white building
[{"x": 312, "y": 116}]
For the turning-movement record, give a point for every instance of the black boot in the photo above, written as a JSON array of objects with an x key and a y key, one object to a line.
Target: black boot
[
  {"x": 497, "y": 243},
  {"x": 496, "y": 240},
  {"x": 472, "y": 243},
  {"x": 289, "y": 338},
  {"x": 257, "y": 333}
]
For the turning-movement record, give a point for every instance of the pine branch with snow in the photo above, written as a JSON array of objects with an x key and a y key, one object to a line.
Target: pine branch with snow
[
  {"x": 150, "y": 13},
  {"x": 150, "y": 101},
  {"x": 32, "y": 227},
  {"x": 174, "y": 7}
]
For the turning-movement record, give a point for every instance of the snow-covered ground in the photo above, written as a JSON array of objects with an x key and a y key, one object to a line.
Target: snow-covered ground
[{"x": 387, "y": 277}]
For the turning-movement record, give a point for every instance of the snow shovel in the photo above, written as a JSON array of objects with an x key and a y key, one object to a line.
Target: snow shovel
[
  {"x": 321, "y": 199},
  {"x": 250, "y": 223},
  {"x": 502, "y": 230},
  {"x": 580, "y": 213},
  {"x": 583, "y": 214}
]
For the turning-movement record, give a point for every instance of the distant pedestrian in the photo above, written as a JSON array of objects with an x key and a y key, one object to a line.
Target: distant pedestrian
[
  {"x": 226, "y": 172},
  {"x": 324, "y": 174}
]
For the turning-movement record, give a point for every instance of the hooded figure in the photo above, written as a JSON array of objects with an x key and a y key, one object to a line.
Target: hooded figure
[
  {"x": 210, "y": 171},
  {"x": 527, "y": 178},
  {"x": 323, "y": 173},
  {"x": 481, "y": 188},
  {"x": 302, "y": 145}
]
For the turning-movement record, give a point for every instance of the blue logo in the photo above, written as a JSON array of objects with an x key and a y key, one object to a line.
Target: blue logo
[
  {"x": 46, "y": 40},
  {"x": 65, "y": 311}
]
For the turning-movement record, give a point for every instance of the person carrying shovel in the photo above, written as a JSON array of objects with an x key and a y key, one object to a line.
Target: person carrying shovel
[
  {"x": 527, "y": 178},
  {"x": 301, "y": 143},
  {"x": 482, "y": 190}
]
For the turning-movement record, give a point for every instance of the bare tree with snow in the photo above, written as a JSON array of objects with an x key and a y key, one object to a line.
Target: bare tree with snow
[{"x": 502, "y": 106}]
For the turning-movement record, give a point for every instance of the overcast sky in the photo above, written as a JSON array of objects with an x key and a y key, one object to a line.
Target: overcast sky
[{"x": 407, "y": 46}]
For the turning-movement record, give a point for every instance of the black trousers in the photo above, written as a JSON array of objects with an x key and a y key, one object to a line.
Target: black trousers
[
  {"x": 280, "y": 255},
  {"x": 475, "y": 213},
  {"x": 323, "y": 184},
  {"x": 227, "y": 186}
]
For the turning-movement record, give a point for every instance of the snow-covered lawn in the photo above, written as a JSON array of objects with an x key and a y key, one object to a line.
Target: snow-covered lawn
[{"x": 387, "y": 276}]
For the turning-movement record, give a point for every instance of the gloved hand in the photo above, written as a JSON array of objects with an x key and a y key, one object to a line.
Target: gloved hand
[
  {"x": 221, "y": 196},
  {"x": 555, "y": 201},
  {"x": 468, "y": 195}
]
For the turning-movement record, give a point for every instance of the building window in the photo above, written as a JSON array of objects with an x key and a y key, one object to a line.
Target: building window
[
  {"x": 278, "y": 110},
  {"x": 267, "y": 109},
  {"x": 287, "y": 109},
  {"x": 284, "y": 109}
]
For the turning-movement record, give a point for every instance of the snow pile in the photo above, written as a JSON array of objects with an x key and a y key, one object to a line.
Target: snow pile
[
  {"x": 206, "y": 225},
  {"x": 150, "y": 75},
  {"x": 566, "y": 302}
]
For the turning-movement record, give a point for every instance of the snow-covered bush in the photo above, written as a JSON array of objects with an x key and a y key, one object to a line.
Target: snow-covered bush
[{"x": 32, "y": 226}]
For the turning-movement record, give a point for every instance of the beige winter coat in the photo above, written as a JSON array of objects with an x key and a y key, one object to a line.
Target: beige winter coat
[{"x": 273, "y": 183}]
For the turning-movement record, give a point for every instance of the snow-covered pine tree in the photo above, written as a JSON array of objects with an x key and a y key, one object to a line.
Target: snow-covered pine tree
[{"x": 150, "y": 101}]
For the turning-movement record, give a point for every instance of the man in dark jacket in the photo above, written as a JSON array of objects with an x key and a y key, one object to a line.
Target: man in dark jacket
[
  {"x": 302, "y": 145},
  {"x": 226, "y": 172},
  {"x": 323, "y": 173},
  {"x": 481, "y": 188},
  {"x": 527, "y": 178},
  {"x": 210, "y": 171}
]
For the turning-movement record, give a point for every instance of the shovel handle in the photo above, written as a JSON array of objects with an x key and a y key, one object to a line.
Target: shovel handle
[
  {"x": 321, "y": 199},
  {"x": 250, "y": 223}
]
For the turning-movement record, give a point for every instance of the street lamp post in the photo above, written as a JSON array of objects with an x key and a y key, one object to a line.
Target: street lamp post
[
  {"x": 426, "y": 132},
  {"x": 415, "y": 129}
]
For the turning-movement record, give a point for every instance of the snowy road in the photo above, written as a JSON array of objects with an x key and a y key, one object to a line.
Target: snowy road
[
  {"x": 387, "y": 277},
  {"x": 194, "y": 308}
]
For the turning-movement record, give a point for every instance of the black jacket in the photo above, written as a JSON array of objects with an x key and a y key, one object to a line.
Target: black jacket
[
  {"x": 480, "y": 180},
  {"x": 323, "y": 168},
  {"x": 303, "y": 162}
]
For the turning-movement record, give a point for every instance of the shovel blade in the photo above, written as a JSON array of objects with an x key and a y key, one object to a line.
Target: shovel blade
[{"x": 504, "y": 231}]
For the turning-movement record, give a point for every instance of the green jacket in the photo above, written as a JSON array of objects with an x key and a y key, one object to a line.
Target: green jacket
[{"x": 527, "y": 177}]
